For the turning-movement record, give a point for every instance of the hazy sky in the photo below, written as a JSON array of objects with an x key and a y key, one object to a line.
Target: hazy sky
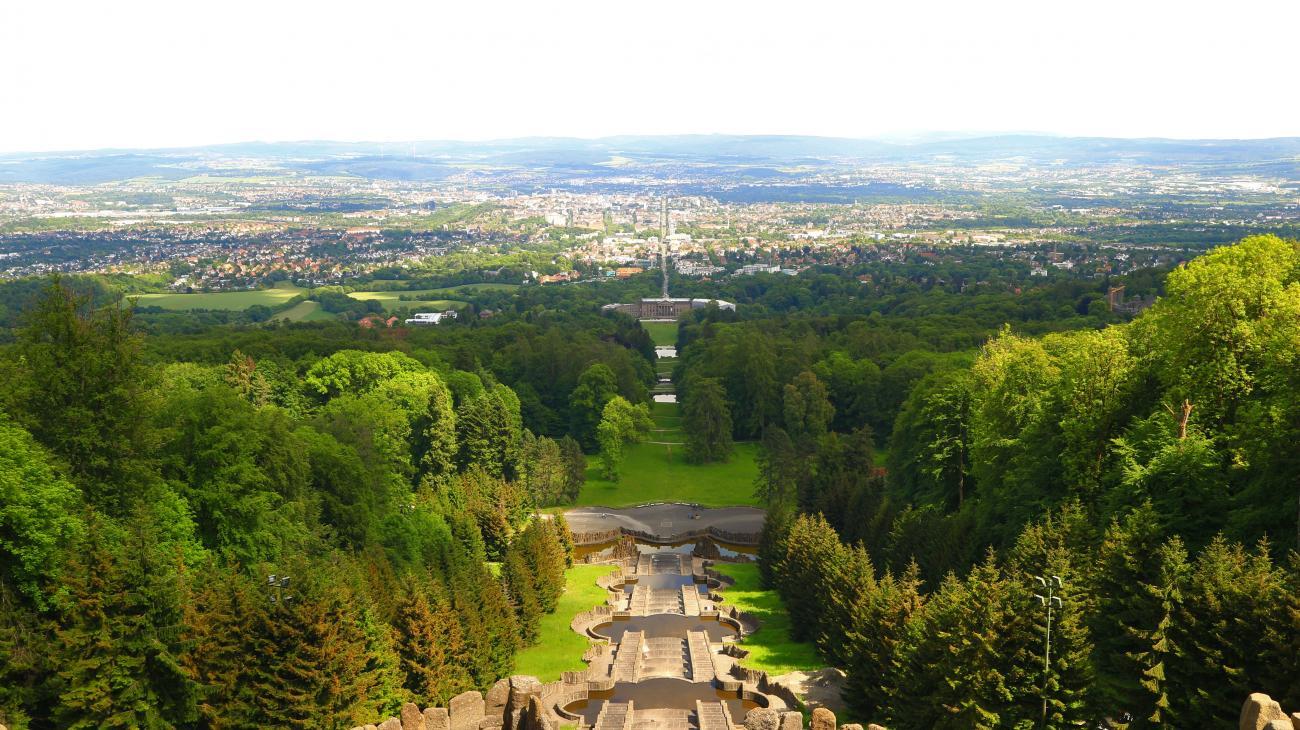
[{"x": 131, "y": 73}]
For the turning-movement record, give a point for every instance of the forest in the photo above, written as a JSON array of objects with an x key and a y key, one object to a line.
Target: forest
[
  {"x": 251, "y": 542},
  {"x": 211, "y": 521},
  {"x": 1151, "y": 466}
]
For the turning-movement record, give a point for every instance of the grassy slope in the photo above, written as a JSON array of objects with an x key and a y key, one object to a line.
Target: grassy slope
[
  {"x": 305, "y": 312},
  {"x": 392, "y": 299},
  {"x": 650, "y": 474},
  {"x": 233, "y": 301},
  {"x": 561, "y": 648},
  {"x": 771, "y": 648},
  {"x": 663, "y": 333}
]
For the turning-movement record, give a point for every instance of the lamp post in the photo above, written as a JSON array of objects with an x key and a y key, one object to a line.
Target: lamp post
[
  {"x": 279, "y": 583},
  {"x": 1049, "y": 586}
]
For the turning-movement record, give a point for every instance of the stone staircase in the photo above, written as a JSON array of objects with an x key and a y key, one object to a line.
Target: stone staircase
[
  {"x": 701, "y": 659},
  {"x": 615, "y": 716},
  {"x": 628, "y": 658},
  {"x": 712, "y": 716}
]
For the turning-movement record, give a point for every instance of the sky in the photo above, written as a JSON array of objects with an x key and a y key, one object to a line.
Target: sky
[{"x": 138, "y": 73}]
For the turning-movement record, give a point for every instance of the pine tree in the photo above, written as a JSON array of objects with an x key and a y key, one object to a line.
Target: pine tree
[
  {"x": 706, "y": 420},
  {"x": 218, "y": 607},
  {"x": 575, "y": 468},
  {"x": 438, "y": 460},
  {"x": 811, "y": 568},
  {"x": 1157, "y": 657},
  {"x": 523, "y": 595},
  {"x": 1129, "y": 564},
  {"x": 565, "y": 536},
  {"x": 120, "y": 646},
  {"x": 873, "y": 640},
  {"x": 431, "y": 648}
]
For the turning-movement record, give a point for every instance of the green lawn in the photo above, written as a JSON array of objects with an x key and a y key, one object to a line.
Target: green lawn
[
  {"x": 663, "y": 333},
  {"x": 771, "y": 648},
  {"x": 392, "y": 299},
  {"x": 561, "y": 648},
  {"x": 305, "y": 312},
  {"x": 233, "y": 301},
  {"x": 659, "y": 473}
]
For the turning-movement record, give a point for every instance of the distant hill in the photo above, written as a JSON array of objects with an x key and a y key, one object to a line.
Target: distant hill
[{"x": 743, "y": 155}]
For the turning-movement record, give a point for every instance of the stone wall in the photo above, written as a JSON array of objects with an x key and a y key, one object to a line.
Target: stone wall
[
  {"x": 717, "y": 533},
  {"x": 514, "y": 703},
  {"x": 821, "y": 719}
]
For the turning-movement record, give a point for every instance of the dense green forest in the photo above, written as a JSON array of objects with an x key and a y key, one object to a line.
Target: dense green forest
[
  {"x": 300, "y": 541},
  {"x": 1152, "y": 466},
  {"x": 212, "y": 519}
]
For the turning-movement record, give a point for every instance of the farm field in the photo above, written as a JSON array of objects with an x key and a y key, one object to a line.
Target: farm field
[
  {"x": 231, "y": 301},
  {"x": 393, "y": 299},
  {"x": 305, "y": 312}
]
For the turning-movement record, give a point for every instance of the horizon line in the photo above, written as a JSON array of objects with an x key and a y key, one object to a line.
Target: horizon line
[{"x": 895, "y": 139}]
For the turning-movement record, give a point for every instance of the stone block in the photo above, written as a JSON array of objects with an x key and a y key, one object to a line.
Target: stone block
[
  {"x": 791, "y": 721},
  {"x": 412, "y": 719},
  {"x": 1260, "y": 710},
  {"x": 851, "y": 726},
  {"x": 466, "y": 709},
  {"x": 762, "y": 718},
  {"x": 822, "y": 719},
  {"x": 495, "y": 700},
  {"x": 874, "y": 726},
  {"x": 435, "y": 718},
  {"x": 391, "y": 723}
]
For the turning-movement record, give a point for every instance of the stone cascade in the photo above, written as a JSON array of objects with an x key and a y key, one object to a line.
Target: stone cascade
[
  {"x": 701, "y": 659},
  {"x": 616, "y": 716},
  {"x": 627, "y": 658},
  {"x": 712, "y": 716}
]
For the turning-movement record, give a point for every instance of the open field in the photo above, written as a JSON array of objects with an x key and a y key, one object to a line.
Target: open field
[
  {"x": 305, "y": 312},
  {"x": 232, "y": 301},
  {"x": 560, "y": 648},
  {"x": 393, "y": 299},
  {"x": 662, "y": 333},
  {"x": 659, "y": 472},
  {"x": 771, "y": 648},
  {"x": 486, "y": 286}
]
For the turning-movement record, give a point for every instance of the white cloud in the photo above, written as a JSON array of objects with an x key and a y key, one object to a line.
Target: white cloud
[{"x": 142, "y": 73}]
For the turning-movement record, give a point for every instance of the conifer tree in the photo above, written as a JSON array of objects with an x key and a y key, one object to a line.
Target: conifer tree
[
  {"x": 814, "y": 559},
  {"x": 431, "y": 648},
  {"x": 219, "y": 602},
  {"x": 120, "y": 645},
  {"x": 523, "y": 595}
]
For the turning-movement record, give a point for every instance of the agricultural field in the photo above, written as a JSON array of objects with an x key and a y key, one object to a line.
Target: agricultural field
[
  {"x": 305, "y": 312},
  {"x": 233, "y": 301},
  {"x": 393, "y": 299}
]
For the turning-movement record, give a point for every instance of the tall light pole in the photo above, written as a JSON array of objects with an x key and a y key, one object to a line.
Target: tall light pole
[
  {"x": 1050, "y": 586},
  {"x": 279, "y": 583}
]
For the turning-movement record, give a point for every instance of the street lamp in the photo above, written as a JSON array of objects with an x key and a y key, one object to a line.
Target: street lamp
[
  {"x": 1050, "y": 586},
  {"x": 279, "y": 583}
]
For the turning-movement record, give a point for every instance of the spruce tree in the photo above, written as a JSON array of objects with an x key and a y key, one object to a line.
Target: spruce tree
[
  {"x": 120, "y": 644},
  {"x": 432, "y": 648}
]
